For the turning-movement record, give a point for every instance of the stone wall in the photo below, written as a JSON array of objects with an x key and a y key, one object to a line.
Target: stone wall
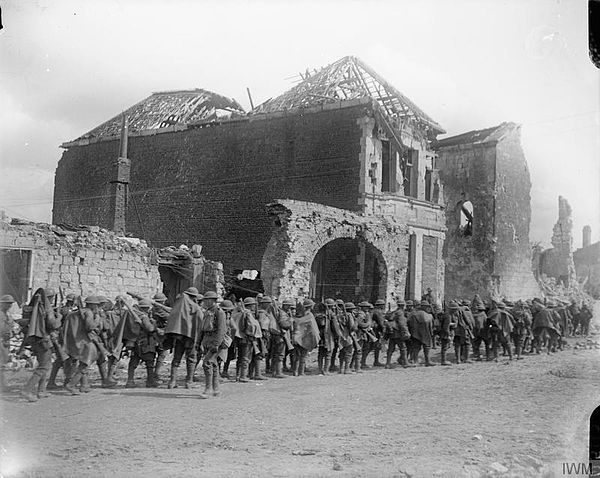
[
  {"x": 85, "y": 261},
  {"x": 513, "y": 258},
  {"x": 587, "y": 266}
]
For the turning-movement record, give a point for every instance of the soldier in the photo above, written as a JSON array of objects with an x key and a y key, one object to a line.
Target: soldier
[
  {"x": 336, "y": 352},
  {"x": 305, "y": 335},
  {"x": 214, "y": 345},
  {"x": 6, "y": 327},
  {"x": 575, "y": 314},
  {"x": 182, "y": 334},
  {"x": 107, "y": 324},
  {"x": 39, "y": 324},
  {"x": 543, "y": 326},
  {"x": 144, "y": 349},
  {"x": 327, "y": 336},
  {"x": 58, "y": 361},
  {"x": 160, "y": 314},
  {"x": 364, "y": 326},
  {"x": 289, "y": 307},
  {"x": 501, "y": 324},
  {"x": 247, "y": 329},
  {"x": 397, "y": 334},
  {"x": 78, "y": 327},
  {"x": 479, "y": 329},
  {"x": 585, "y": 318},
  {"x": 279, "y": 328},
  {"x": 448, "y": 324},
  {"x": 420, "y": 325},
  {"x": 347, "y": 326},
  {"x": 463, "y": 333},
  {"x": 264, "y": 318},
  {"x": 375, "y": 315},
  {"x": 522, "y": 326}
]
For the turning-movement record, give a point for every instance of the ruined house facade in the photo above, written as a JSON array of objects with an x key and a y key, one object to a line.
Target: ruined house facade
[
  {"x": 330, "y": 189},
  {"x": 487, "y": 193}
]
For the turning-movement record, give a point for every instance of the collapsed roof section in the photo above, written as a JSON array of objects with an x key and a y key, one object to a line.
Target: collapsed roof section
[
  {"x": 347, "y": 79},
  {"x": 480, "y": 136},
  {"x": 166, "y": 109}
]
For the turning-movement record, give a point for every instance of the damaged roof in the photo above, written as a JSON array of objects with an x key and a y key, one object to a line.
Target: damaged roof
[
  {"x": 169, "y": 108},
  {"x": 347, "y": 79},
  {"x": 480, "y": 136}
]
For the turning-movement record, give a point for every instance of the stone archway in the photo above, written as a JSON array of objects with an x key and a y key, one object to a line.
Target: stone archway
[
  {"x": 302, "y": 229},
  {"x": 350, "y": 269}
]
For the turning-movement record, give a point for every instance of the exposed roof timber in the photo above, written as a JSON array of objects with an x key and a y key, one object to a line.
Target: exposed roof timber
[{"x": 349, "y": 78}]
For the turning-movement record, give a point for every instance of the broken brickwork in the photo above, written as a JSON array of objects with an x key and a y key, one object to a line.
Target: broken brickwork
[
  {"x": 587, "y": 264},
  {"x": 485, "y": 175},
  {"x": 557, "y": 262},
  {"x": 84, "y": 260},
  {"x": 302, "y": 229}
]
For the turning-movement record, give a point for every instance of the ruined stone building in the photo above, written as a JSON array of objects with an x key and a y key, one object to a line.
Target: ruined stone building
[
  {"x": 330, "y": 189},
  {"x": 487, "y": 194},
  {"x": 587, "y": 263}
]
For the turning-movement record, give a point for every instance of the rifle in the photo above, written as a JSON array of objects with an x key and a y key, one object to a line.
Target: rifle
[{"x": 166, "y": 308}]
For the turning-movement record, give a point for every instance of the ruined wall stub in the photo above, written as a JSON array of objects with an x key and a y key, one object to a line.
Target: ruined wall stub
[
  {"x": 302, "y": 228},
  {"x": 558, "y": 261},
  {"x": 488, "y": 169}
]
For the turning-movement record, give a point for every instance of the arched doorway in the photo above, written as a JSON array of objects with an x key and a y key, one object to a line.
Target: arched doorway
[{"x": 350, "y": 269}]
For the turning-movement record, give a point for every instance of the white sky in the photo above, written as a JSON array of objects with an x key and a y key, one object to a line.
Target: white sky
[{"x": 67, "y": 66}]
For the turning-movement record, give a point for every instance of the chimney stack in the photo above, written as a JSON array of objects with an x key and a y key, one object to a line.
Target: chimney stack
[
  {"x": 587, "y": 236},
  {"x": 120, "y": 183}
]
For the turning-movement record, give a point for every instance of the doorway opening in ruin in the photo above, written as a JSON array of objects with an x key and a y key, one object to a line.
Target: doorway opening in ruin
[
  {"x": 350, "y": 269},
  {"x": 15, "y": 274}
]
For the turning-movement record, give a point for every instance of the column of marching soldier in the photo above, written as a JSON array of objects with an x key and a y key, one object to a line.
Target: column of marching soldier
[{"x": 81, "y": 333}]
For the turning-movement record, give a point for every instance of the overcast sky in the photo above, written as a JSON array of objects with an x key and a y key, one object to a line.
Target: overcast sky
[{"x": 67, "y": 66}]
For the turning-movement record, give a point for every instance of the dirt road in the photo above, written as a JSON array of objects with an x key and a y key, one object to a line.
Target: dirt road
[{"x": 480, "y": 419}]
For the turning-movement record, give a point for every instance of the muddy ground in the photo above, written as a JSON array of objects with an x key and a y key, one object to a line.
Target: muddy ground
[{"x": 483, "y": 419}]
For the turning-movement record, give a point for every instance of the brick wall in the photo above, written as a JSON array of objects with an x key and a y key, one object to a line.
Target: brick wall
[
  {"x": 210, "y": 185},
  {"x": 85, "y": 262}
]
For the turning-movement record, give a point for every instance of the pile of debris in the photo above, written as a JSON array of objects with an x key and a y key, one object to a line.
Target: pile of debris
[{"x": 72, "y": 237}]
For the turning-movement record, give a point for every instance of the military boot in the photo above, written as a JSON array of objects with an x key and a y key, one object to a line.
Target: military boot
[
  {"x": 257, "y": 372},
  {"x": 466, "y": 353},
  {"x": 388, "y": 358},
  {"x": 320, "y": 365},
  {"x": 85, "y": 383},
  {"x": 376, "y": 362},
  {"x": 509, "y": 351},
  {"x": 301, "y": 367},
  {"x": 457, "y": 353},
  {"x": 150, "y": 375},
  {"x": 29, "y": 391},
  {"x": 56, "y": 365},
  {"x": 73, "y": 383},
  {"x": 208, "y": 382},
  {"x": 363, "y": 360},
  {"x": 443, "y": 357},
  {"x": 278, "y": 367},
  {"x": 130, "y": 374},
  {"x": 107, "y": 380},
  {"x": 345, "y": 366},
  {"x": 428, "y": 363},
  {"x": 357, "y": 361},
  {"x": 518, "y": 351},
  {"x": 403, "y": 360},
  {"x": 216, "y": 384},
  {"x": 173, "y": 377},
  {"x": 244, "y": 371},
  {"x": 295, "y": 367},
  {"x": 341, "y": 369},
  {"x": 41, "y": 391},
  {"x": 325, "y": 366},
  {"x": 158, "y": 366},
  {"x": 190, "y": 367}
]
